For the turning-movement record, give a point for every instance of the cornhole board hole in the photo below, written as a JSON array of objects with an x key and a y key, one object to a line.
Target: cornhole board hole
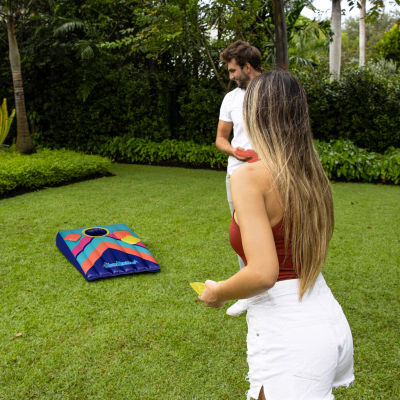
[{"x": 106, "y": 251}]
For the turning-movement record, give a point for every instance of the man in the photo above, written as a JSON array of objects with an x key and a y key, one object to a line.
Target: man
[{"x": 244, "y": 64}]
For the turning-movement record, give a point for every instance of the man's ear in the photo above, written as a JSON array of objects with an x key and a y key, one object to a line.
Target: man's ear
[{"x": 247, "y": 67}]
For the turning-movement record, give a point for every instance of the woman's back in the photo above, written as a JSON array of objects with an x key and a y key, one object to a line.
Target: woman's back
[
  {"x": 263, "y": 184},
  {"x": 277, "y": 122},
  {"x": 274, "y": 210}
]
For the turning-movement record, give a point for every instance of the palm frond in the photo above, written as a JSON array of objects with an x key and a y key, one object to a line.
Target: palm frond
[
  {"x": 85, "y": 50},
  {"x": 68, "y": 27},
  {"x": 302, "y": 62}
]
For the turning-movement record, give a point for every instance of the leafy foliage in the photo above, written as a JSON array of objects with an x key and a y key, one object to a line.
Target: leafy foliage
[
  {"x": 375, "y": 29},
  {"x": 363, "y": 106},
  {"x": 342, "y": 160},
  {"x": 167, "y": 152},
  {"x": 389, "y": 46}
]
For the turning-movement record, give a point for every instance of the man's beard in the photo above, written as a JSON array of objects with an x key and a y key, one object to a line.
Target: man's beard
[{"x": 243, "y": 80}]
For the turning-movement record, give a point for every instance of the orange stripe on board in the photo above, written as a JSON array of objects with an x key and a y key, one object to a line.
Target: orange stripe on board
[
  {"x": 121, "y": 234},
  {"x": 103, "y": 246}
]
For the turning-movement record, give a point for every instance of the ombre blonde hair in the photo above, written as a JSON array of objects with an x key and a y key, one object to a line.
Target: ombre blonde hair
[{"x": 275, "y": 114}]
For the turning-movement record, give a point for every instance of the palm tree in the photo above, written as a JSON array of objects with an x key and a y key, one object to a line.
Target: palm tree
[
  {"x": 335, "y": 46},
  {"x": 10, "y": 11},
  {"x": 362, "y": 33},
  {"x": 281, "y": 39}
]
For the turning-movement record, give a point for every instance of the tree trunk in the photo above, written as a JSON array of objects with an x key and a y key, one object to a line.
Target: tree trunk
[
  {"x": 24, "y": 140},
  {"x": 362, "y": 33},
  {"x": 335, "y": 46},
  {"x": 281, "y": 45}
]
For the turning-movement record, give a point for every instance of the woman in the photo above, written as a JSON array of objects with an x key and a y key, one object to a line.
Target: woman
[{"x": 299, "y": 344}]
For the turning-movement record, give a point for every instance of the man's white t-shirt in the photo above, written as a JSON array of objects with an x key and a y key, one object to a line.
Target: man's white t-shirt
[{"x": 232, "y": 111}]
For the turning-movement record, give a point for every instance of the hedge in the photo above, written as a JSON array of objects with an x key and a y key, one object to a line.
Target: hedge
[
  {"x": 167, "y": 152},
  {"x": 344, "y": 161},
  {"x": 21, "y": 173},
  {"x": 363, "y": 106},
  {"x": 341, "y": 159}
]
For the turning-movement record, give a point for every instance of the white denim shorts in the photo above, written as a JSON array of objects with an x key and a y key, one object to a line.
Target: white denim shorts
[{"x": 297, "y": 350}]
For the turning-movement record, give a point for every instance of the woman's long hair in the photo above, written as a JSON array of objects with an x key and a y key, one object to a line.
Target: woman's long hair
[{"x": 277, "y": 122}]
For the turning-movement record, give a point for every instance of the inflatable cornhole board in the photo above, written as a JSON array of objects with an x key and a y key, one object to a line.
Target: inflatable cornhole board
[{"x": 106, "y": 251}]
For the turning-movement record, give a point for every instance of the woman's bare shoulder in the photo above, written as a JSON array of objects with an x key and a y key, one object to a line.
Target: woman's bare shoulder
[{"x": 252, "y": 174}]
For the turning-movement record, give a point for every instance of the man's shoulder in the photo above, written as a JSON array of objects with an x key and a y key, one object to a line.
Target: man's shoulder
[{"x": 235, "y": 93}]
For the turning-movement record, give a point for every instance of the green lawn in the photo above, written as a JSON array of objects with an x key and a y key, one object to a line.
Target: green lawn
[{"x": 145, "y": 337}]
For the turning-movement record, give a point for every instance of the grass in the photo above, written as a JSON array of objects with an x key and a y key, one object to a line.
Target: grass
[{"x": 145, "y": 337}]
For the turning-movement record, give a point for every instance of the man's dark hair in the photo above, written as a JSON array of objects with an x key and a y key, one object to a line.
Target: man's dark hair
[{"x": 242, "y": 52}]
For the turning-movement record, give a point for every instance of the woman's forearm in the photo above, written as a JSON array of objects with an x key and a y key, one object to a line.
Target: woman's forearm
[{"x": 247, "y": 282}]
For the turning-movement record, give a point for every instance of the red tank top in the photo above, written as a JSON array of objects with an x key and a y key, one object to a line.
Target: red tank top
[{"x": 286, "y": 268}]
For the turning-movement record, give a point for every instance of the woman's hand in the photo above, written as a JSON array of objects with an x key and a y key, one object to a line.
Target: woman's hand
[{"x": 210, "y": 295}]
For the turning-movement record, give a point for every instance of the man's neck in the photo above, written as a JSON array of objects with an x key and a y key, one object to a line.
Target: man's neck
[{"x": 253, "y": 73}]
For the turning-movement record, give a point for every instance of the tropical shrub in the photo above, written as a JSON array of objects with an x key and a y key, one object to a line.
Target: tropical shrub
[
  {"x": 363, "y": 106},
  {"x": 198, "y": 107},
  {"x": 343, "y": 161},
  {"x": 389, "y": 46},
  {"x": 126, "y": 102}
]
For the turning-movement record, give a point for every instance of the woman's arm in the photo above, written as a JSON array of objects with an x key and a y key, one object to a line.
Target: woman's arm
[{"x": 248, "y": 186}]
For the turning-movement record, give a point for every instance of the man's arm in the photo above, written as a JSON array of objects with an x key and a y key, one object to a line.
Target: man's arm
[
  {"x": 223, "y": 134},
  {"x": 222, "y": 141}
]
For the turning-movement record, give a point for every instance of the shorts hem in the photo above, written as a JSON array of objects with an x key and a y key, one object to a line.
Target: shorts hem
[
  {"x": 346, "y": 382},
  {"x": 251, "y": 396}
]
